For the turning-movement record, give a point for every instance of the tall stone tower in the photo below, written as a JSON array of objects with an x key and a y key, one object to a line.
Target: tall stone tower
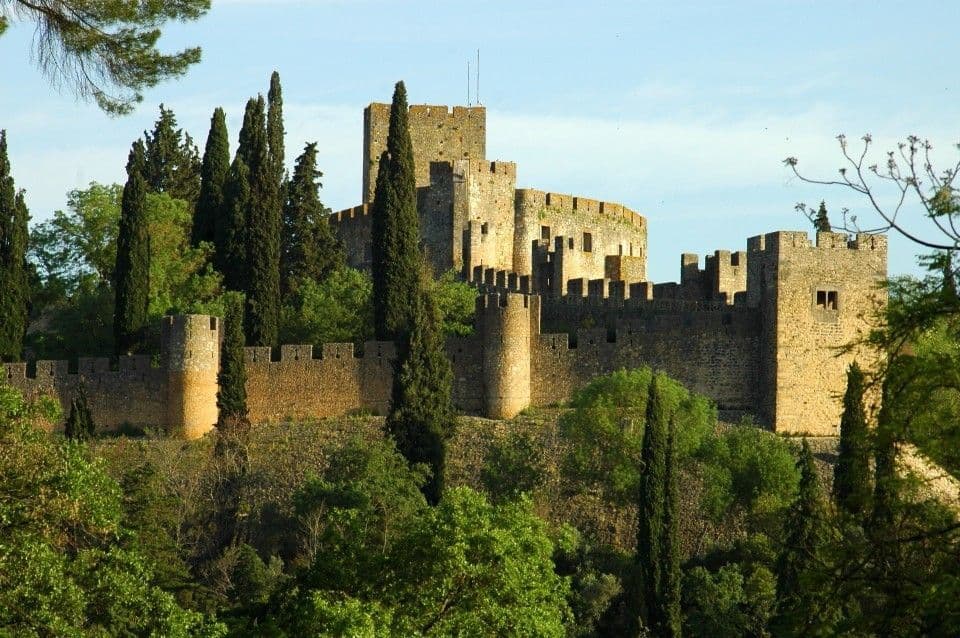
[
  {"x": 191, "y": 350},
  {"x": 815, "y": 300},
  {"x": 507, "y": 324},
  {"x": 438, "y": 135}
]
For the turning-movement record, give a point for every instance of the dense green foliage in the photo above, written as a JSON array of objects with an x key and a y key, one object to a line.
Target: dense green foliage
[
  {"x": 131, "y": 276},
  {"x": 172, "y": 164},
  {"x": 309, "y": 248},
  {"x": 213, "y": 177},
  {"x": 15, "y": 297},
  {"x": 851, "y": 476},
  {"x": 421, "y": 412},
  {"x": 232, "y": 379},
  {"x": 106, "y": 51},
  {"x": 79, "y": 425},
  {"x": 230, "y": 232},
  {"x": 337, "y": 309},
  {"x": 63, "y": 567},
  {"x": 395, "y": 230}
]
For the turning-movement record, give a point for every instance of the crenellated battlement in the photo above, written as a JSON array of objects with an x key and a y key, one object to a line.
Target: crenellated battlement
[
  {"x": 485, "y": 167},
  {"x": 561, "y": 202},
  {"x": 348, "y": 214},
  {"x": 790, "y": 240}
]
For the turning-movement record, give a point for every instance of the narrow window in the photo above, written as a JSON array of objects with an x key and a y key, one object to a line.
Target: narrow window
[
  {"x": 587, "y": 243},
  {"x": 545, "y": 233},
  {"x": 483, "y": 228},
  {"x": 828, "y": 300},
  {"x": 570, "y": 243}
]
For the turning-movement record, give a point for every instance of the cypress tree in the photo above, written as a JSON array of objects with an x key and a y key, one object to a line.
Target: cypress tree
[
  {"x": 172, "y": 163},
  {"x": 421, "y": 415},
  {"x": 232, "y": 379},
  {"x": 132, "y": 271},
  {"x": 263, "y": 233},
  {"x": 649, "y": 600},
  {"x": 821, "y": 222},
  {"x": 15, "y": 295},
  {"x": 395, "y": 228},
  {"x": 851, "y": 476},
  {"x": 805, "y": 534},
  {"x": 213, "y": 177},
  {"x": 79, "y": 425},
  {"x": 275, "y": 128},
  {"x": 670, "y": 540},
  {"x": 230, "y": 231},
  {"x": 885, "y": 458},
  {"x": 309, "y": 247}
]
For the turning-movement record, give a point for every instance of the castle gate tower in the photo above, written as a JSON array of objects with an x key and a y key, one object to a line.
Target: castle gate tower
[{"x": 506, "y": 321}]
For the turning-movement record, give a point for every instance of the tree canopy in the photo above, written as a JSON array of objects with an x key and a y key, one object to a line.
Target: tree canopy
[{"x": 105, "y": 51}]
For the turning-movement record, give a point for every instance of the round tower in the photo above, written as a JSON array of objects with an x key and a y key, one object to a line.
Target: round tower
[
  {"x": 191, "y": 345},
  {"x": 506, "y": 320}
]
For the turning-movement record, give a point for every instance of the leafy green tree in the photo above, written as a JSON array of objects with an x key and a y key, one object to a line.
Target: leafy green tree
[
  {"x": 106, "y": 51},
  {"x": 395, "y": 232},
  {"x": 230, "y": 233},
  {"x": 310, "y": 249},
  {"x": 457, "y": 301},
  {"x": 735, "y": 600},
  {"x": 821, "y": 222},
  {"x": 263, "y": 231},
  {"x": 337, "y": 309},
  {"x": 213, "y": 177},
  {"x": 63, "y": 570},
  {"x": 232, "y": 379},
  {"x": 851, "y": 475},
  {"x": 798, "y": 592},
  {"x": 15, "y": 299},
  {"x": 132, "y": 273},
  {"x": 172, "y": 161},
  {"x": 421, "y": 415},
  {"x": 670, "y": 558},
  {"x": 79, "y": 425}
]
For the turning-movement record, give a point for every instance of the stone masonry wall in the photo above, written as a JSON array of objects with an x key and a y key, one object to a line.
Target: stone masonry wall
[
  {"x": 437, "y": 133},
  {"x": 612, "y": 228},
  {"x": 484, "y": 214},
  {"x": 352, "y": 227},
  {"x": 130, "y": 392}
]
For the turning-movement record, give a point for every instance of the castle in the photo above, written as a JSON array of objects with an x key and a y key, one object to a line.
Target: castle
[{"x": 563, "y": 298}]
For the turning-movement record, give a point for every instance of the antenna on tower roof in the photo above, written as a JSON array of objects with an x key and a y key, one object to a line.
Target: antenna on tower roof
[
  {"x": 468, "y": 82},
  {"x": 478, "y": 77}
]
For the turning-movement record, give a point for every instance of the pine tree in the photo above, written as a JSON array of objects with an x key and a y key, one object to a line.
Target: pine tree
[
  {"x": 230, "y": 230},
  {"x": 821, "y": 222},
  {"x": 805, "y": 535},
  {"x": 79, "y": 425},
  {"x": 851, "y": 482},
  {"x": 15, "y": 295},
  {"x": 213, "y": 178},
  {"x": 670, "y": 541},
  {"x": 421, "y": 415},
  {"x": 232, "y": 379},
  {"x": 309, "y": 246},
  {"x": 395, "y": 228},
  {"x": 132, "y": 272},
  {"x": 651, "y": 530},
  {"x": 172, "y": 163},
  {"x": 263, "y": 232}
]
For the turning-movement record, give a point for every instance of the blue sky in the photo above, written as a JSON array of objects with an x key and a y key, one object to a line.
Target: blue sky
[{"x": 681, "y": 112}]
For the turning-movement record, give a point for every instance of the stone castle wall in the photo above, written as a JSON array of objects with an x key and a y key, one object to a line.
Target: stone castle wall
[{"x": 438, "y": 133}]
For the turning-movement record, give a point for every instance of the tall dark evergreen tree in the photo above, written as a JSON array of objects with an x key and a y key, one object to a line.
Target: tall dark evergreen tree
[
  {"x": 79, "y": 425},
  {"x": 213, "y": 177},
  {"x": 395, "y": 228},
  {"x": 851, "y": 475},
  {"x": 670, "y": 541},
  {"x": 232, "y": 379},
  {"x": 132, "y": 272},
  {"x": 309, "y": 246},
  {"x": 421, "y": 415},
  {"x": 172, "y": 162},
  {"x": 821, "y": 222},
  {"x": 230, "y": 232},
  {"x": 805, "y": 534},
  {"x": 275, "y": 128},
  {"x": 14, "y": 284},
  {"x": 263, "y": 232},
  {"x": 649, "y": 604}
]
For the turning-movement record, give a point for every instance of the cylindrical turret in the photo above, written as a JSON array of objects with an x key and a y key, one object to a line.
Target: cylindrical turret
[
  {"x": 191, "y": 348},
  {"x": 506, "y": 321}
]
